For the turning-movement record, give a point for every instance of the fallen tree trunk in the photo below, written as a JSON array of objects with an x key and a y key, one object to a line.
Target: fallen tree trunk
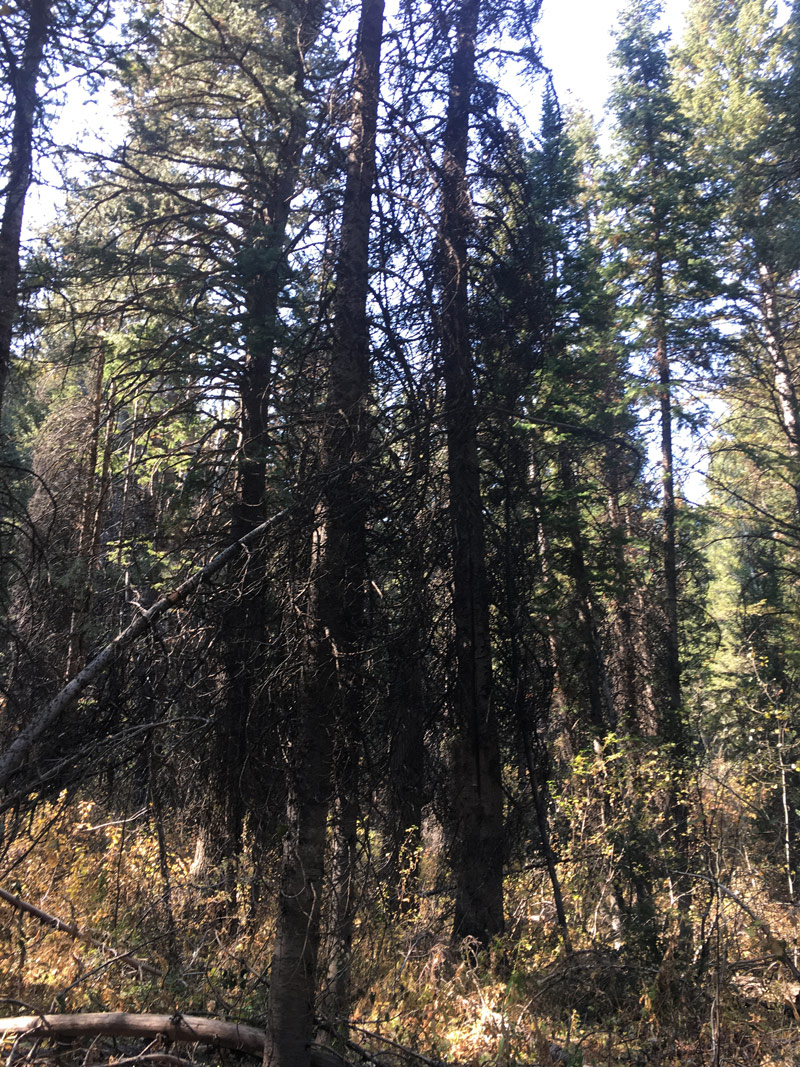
[
  {"x": 191, "y": 1029},
  {"x": 126, "y": 958},
  {"x": 188, "y": 1029}
]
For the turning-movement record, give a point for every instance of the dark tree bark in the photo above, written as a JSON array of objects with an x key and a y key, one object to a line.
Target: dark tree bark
[
  {"x": 23, "y": 76},
  {"x": 333, "y": 686},
  {"x": 478, "y": 802},
  {"x": 239, "y": 717}
]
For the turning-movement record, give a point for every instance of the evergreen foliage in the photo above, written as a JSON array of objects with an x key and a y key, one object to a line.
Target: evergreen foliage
[{"x": 484, "y": 746}]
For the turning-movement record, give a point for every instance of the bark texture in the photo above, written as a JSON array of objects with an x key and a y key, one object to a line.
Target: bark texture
[
  {"x": 332, "y": 686},
  {"x": 478, "y": 846},
  {"x": 188, "y": 1029}
]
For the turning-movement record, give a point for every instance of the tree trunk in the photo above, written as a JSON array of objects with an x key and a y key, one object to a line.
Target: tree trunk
[
  {"x": 239, "y": 720},
  {"x": 789, "y": 410},
  {"x": 405, "y": 773},
  {"x": 293, "y": 976},
  {"x": 333, "y": 687},
  {"x": 24, "y": 76},
  {"x": 627, "y": 672},
  {"x": 478, "y": 801},
  {"x": 601, "y": 707},
  {"x": 671, "y": 726}
]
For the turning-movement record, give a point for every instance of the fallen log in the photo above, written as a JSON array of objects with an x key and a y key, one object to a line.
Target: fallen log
[{"x": 187, "y": 1029}]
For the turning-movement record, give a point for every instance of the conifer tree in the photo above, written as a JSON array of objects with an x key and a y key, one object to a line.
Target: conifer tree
[
  {"x": 38, "y": 41},
  {"x": 660, "y": 228},
  {"x": 737, "y": 85}
]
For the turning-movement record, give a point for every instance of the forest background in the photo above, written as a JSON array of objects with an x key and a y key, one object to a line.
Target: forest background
[{"x": 368, "y": 679}]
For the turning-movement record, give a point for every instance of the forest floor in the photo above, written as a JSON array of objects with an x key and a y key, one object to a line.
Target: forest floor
[{"x": 731, "y": 998}]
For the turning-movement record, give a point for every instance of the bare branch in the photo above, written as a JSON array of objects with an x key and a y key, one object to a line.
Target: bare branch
[
  {"x": 79, "y": 935},
  {"x": 25, "y": 740}
]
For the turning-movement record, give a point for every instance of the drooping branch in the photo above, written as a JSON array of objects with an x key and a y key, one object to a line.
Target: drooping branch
[
  {"x": 14, "y": 756},
  {"x": 73, "y": 930}
]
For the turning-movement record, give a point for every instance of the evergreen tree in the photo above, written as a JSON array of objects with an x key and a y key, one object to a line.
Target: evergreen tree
[{"x": 661, "y": 227}]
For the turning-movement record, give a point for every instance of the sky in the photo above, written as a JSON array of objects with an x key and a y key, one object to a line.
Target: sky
[{"x": 575, "y": 37}]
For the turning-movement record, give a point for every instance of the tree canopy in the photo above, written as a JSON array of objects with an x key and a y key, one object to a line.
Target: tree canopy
[{"x": 378, "y": 678}]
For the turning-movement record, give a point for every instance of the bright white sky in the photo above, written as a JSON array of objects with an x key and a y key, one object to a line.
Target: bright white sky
[{"x": 575, "y": 37}]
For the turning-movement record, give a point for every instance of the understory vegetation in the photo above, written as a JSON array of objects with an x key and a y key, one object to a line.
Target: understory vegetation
[{"x": 399, "y": 539}]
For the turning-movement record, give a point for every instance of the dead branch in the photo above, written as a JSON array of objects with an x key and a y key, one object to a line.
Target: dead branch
[
  {"x": 161, "y": 1058},
  {"x": 778, "y": 947},
  {"x": 188, "y": 1029},
  {"x": 142, "y": 966},
  {"x": 12, "y": 759}
]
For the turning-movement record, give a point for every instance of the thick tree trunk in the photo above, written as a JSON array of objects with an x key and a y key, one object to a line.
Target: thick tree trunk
[
  {"x": 19, "y": 168},
  {"x": 477, "y": 795},
  {"x": 333, "y": 686}
]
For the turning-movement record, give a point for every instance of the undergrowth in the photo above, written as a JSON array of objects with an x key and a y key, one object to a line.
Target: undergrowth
[{"x": 719, "y": 989}]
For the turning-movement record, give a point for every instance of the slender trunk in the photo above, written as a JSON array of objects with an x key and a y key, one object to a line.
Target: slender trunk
[
  {"x": 781, "y": 371},
  {"x": 559, "y": 698},
  {"x": 293, "y": 978},
  {"x": 515, "y": 554},
  {"x": 542, "y": 820},
  {"x": 478, "y": 800},
  {"x": 238, "y": 719},
  {"x": 93, "y": 502},
  {"x": 671, "y": 726},
  {"x": 405, "y": 777},
  {"x": 672, "y": 729},
  {"x": 601, "y": 706},
  {"x": 23, "y": 78},
  {"x": 336, "y": 1004},
  {"x": 627, "y": 673}
]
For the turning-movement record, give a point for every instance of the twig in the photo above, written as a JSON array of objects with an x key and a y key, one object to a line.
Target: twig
[
  {"x": 153, "y": 1057},
  {"x": 395, "y": 1044},
  {"x": 781, "y": 954},
  {"x": 80, "y": 935},
  {"x": 19, "y": 748}
]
